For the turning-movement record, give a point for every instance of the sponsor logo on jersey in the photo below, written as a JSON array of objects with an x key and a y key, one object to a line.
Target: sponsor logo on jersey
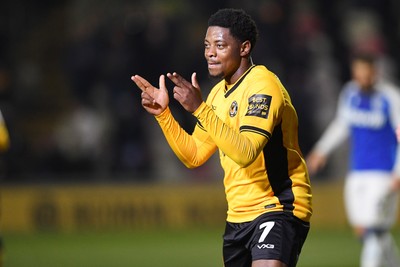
[
  {"x": 259, "y": 105},
  {"x": 374, "y": 119},
  {"x": 233, "y": 109},
  {"x": 264, "y": 246}
]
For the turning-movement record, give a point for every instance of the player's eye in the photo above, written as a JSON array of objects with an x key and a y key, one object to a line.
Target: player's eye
[{"x": 220, "y": 46}]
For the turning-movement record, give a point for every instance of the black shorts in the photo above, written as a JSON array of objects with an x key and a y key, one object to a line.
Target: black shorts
[{"x": 274, "y": 236}]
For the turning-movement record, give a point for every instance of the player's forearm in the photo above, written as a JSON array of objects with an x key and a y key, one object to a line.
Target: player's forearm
[
  {"x": 183, "y": 145},
  {"x": 237, "y": 146},
  {"x": 334, "y": 135}
]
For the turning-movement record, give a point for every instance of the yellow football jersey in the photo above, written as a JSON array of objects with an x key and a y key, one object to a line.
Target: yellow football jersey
[{"x": 254, "y": 125}]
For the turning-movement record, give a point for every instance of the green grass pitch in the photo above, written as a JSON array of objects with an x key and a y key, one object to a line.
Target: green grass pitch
[{"x": 161, "y": 248}]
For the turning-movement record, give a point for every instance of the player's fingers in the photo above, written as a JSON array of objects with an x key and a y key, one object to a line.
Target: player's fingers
[
  {"x": 147, "y": 100},
  {"x": 162, "y": 83},
  {"x": 146, "y": 97},
  {"x": 183, "y": 81},
  {"x": 177, "y": 94},
  {"x": 178, "y": 80},
  {"x": 176, "y": 91},
  {"x": 195, "y": 83},
  {"x": 141, "y": 82},
  {"x": 174, "y": 79},
  {"x": 138, "y": 83}
]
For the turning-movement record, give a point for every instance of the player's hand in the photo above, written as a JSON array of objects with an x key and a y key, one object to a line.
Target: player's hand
[
  {"x": 315, "y": 162},
  {"x": 398, "y": 133},
  {"x": 186, "y": 93},
  {"x": 154, "y": 100},
  {"x": 395, "y": 186}
]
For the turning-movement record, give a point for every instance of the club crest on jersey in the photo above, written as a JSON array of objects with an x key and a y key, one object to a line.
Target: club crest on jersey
[
  {"x": 233, "y": 109},
  {"x": 259, "y": 105}
]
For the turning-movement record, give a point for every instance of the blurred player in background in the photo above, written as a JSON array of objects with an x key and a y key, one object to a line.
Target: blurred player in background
[
  {"x": 398, "y": 133},
  {"x": 249, "y": 117},
  {"x": 368, "y": 112},
  {"x": 4, "y": 144}
]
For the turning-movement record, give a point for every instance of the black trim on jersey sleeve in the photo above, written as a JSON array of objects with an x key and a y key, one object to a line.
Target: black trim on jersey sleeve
[
  {"x": 200, "y": 126},
  {"x": 277, "y": 166},
  {"x": 246, "y": 128},
  {"x": 238, "y": 82}
]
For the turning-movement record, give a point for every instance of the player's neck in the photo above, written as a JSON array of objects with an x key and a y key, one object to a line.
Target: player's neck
[{"x": 245, "y": 65}]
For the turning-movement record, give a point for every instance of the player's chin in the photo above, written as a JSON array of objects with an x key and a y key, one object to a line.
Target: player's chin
[{"x": 215, "y": 74}]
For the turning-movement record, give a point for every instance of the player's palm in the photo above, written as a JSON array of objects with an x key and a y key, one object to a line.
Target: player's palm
[{"x": 154, "y": 100}]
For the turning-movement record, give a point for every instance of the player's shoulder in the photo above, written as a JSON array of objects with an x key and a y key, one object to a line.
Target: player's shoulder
[
  {"x": 263, "y": 72},
  {"x": 350, "y": 86},
  {"x": 390, "y": 92},
  {"x": 350, "y": 89},
  {"x": 261, "y": 76},
  {"x": 266, "y": 83},
  {"x": 388, "y": 88}
]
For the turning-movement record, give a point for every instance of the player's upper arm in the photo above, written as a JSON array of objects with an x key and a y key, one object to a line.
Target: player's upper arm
[
  {"x": 265, "y": 108},
  {"x": 394, "y": 100}
]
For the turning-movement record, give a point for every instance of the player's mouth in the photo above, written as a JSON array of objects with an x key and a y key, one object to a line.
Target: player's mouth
[{"x": 213, "y": 65}]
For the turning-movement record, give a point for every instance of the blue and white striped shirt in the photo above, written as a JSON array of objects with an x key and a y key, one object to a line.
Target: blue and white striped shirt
[{"x": 370, "y": 120}]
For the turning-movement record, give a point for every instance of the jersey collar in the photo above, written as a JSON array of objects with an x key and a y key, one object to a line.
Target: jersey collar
[{"x": 238, "y": 82}]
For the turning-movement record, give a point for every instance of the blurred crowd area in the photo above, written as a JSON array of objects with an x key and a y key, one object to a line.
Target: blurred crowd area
[{"x": 74, "y": 115}]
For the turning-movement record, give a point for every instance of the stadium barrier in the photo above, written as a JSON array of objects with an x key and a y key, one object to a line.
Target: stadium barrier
[
  {"x": 71, "y": 208},
  {"x": 128, "y": 206}
]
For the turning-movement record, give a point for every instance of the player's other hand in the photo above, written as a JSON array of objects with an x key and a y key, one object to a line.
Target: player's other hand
[
  {"x": 315, "y": 162},
  {"x": 154, "y": 100},
  {"x": 395, "y": 186},
  {"x": 186, "y": 93}
]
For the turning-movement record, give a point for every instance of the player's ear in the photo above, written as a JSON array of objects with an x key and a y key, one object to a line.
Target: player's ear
[{"x": 245, "y": 48}]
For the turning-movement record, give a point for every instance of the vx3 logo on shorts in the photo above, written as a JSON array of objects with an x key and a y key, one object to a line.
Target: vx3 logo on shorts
[{"x": 263, "y": 246}]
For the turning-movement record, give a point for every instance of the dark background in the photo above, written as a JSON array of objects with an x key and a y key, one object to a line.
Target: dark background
[{"x": 74, "y": 115}]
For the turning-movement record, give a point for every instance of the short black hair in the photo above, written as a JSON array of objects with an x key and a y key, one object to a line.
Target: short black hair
[
  {"x": 240, "y": 24},
  {"x": 364, "y": 57}
]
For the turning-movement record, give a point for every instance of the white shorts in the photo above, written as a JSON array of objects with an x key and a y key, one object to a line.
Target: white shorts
[{"x": 369, "y": 201}]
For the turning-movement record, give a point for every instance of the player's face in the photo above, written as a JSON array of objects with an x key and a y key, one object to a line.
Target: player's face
[
  {"x": 364, "y": 74},
  {"x": 222, "y": 52}
]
